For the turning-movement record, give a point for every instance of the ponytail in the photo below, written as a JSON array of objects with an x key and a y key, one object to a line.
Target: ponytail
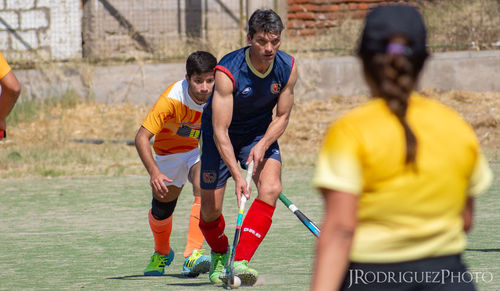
[{"x": 395, "y": 76}]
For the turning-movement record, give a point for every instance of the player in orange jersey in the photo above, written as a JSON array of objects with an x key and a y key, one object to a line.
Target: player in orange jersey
[
  {"x": 175, "y": 121},
  {"x": 10, "y": 91}
]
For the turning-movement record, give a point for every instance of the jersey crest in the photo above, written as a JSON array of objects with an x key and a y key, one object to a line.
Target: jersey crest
[{"x": 275, "y": 88}]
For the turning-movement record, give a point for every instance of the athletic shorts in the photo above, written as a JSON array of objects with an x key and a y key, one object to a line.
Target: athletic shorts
[
  {"x": 214, "y": 173},
  {"x": 177, "y": 166},
  {"x": 447, "y": 273}
]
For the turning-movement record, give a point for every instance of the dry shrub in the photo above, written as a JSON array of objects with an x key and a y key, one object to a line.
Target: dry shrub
[
  {"x": 310, "y": 119},
  {"x": 462, "y": 24},
  {"x": 45, "y": 146}
]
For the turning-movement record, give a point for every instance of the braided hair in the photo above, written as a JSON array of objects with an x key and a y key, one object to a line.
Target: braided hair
[{"x": 392, "y": 76}]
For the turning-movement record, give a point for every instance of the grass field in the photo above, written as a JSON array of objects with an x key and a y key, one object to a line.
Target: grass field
[{"x": 92, "y": 233}]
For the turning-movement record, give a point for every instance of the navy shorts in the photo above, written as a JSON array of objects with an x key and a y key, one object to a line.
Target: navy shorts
[{"x": 214, "y": 172}]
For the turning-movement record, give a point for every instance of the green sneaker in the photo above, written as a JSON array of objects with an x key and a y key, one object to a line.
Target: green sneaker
[
  {"x": 196, "y": 264},
  {"x": 217, "y": 267},
  {"x": 158, "y": 263},
  {"x": 247, "y": 275}
]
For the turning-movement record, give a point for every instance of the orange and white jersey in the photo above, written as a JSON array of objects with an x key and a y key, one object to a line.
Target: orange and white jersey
[
  {"x": 175, "y": 120},
  {"x": 4, "y": 67}
]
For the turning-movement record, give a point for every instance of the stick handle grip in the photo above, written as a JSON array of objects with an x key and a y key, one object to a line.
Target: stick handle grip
[
  {"x": 249, "y": 181},
  {"x": 249, "y": 174},
  {"x": 285, "y": 200}
]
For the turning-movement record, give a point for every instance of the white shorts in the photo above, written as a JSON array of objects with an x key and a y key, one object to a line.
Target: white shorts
[{"x": 177, "y": 166}]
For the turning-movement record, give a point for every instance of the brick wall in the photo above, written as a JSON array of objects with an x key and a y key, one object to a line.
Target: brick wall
[{"x": 312, "y": 17}]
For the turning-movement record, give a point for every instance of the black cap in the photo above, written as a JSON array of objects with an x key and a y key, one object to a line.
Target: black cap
[{"x": 383, "y": 22}]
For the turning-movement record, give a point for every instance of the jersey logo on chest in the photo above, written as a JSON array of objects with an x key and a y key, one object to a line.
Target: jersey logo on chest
[
  {"x": 247, "y": 92},
  {"x": 275, "y": 88}
]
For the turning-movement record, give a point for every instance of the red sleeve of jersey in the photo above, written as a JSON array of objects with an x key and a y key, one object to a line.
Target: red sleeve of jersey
[{"x": 225, "y": 71}]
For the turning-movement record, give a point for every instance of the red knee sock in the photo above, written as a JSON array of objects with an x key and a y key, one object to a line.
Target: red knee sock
[
  {"x": 255, "y": 226},
  {"x": 214, "y": 234}
]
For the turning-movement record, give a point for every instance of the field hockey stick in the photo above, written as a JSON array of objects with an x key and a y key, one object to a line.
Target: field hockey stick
[
  {"x": 230, "y": 267},
  {"x": 301, "y": 216}
]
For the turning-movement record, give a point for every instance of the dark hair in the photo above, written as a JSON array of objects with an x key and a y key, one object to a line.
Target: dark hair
[
  {"x": 200, "y": 62},
  {"x": 395, "y": 76},
  {"x": 264, "y": 20},
  {"x": 393, "y": 51}
]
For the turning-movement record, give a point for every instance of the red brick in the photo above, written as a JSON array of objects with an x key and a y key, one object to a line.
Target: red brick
[
  {"x": 326, "y": 24},
  {"x": 358, "y": 14},
  {"x": 335, "y": 16},
  {"x": 310, "y": 24},
  {"x": 334, "y": 8},
  {"x": 305, "y": 15},
  {"x": 364, "y": 6},
  {"x": 295, "y": 8},
  {"x": 311, "y": 7},
  {"x": 323, "y": 8}
]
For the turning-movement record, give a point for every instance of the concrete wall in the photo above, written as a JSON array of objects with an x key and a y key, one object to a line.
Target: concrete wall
[
  {"x": 319, "y": 78},
  {"x": 466, "y": 70},
  {"x": 40, "y": 29}
]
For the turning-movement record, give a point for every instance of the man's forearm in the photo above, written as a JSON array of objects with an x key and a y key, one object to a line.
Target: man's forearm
[
  {"x": 276, "y": 128},
  {"x": 146, "y": 155}
]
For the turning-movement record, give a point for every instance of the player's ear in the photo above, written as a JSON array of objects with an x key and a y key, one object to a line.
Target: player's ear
[
  {"x": 249, "y": 38},
  {"x": 187, "y": 78}
]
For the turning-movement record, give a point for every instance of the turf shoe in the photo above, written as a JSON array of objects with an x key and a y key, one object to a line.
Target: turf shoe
[
  {"x": 158, "y": 263},
  {"x": 196, "y": 264},
  {"x": 247, "y": 275},
  {"x": 217, "y": 267}
]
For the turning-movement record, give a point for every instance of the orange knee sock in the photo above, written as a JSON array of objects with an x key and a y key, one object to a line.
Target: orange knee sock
[
  {"x": 161, "y": 233},
  {"x": 194, "y": 237}
]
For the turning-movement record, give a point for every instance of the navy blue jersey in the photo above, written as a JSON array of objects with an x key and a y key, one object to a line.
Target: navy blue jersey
[{"x": 254, "y": 94}]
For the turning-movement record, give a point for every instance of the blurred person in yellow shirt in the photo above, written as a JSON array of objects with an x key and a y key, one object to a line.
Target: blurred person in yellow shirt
[
  {"x": 175, "y": 122},
  {"x": 398, "y": 174},
  {"x": 10, "y": 92}
]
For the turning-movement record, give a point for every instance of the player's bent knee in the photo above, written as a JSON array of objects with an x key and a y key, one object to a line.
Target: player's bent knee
[
  {"x": 163, "y": 210},
  {"x": 270, "y": 189},
  {"x": 210, "y": 215}
]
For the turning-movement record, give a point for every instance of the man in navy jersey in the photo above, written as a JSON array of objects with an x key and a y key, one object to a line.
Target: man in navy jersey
[{"x": 238, "y": 126}]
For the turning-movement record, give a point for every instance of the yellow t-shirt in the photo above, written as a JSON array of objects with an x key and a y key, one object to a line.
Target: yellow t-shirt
[
  {"x": 404, "y": 214},
  {"x": 175, "y": 119},
  {"x": 4, "y": 66}
]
